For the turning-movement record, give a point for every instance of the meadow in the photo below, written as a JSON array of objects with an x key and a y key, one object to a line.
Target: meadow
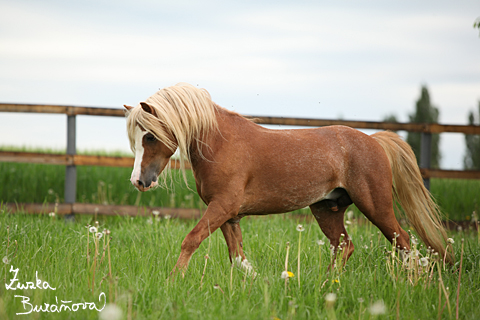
[
  {"x": 128, "y": 267},
  {"x": 131, "y": 264}
]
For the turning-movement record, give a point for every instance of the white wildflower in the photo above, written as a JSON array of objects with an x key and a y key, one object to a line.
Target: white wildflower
[
  {"x": 93, "y": 230},
  {"x": 450, "y": 240},
  {"x": 320, "y": 242},
  {"x": 378, "y": 308},
  {"x": 99, "y": 235},
  {"x": 423, "y": 261},
  {"x": 156, "y": 212},
  {"x": 349, "y": 214},
  {"x": 331, "y": 297},
  {"x": 52, "y": 214},
  {"x": 300, "y": 228},
  {"x": 5, "y": 260},
  {"x": 111, "y": 312},
  {"x": 167, "y": 216}
]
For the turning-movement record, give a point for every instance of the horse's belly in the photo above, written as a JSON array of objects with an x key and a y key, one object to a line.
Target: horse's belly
[{"x": 276, "y": 200}]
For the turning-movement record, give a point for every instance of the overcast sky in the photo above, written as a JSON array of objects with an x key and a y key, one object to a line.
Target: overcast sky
[{"x": 358, "y": 60}]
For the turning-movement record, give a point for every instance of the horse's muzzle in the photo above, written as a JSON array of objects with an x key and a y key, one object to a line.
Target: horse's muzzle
[{"x": 145, "y": 184}]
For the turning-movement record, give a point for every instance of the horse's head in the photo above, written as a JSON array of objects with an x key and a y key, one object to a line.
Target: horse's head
[
  {"x": 151, "y": 154},
  {"x": 173, "y": 118}
]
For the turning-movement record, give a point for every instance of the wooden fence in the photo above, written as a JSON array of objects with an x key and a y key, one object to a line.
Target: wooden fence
[{"x": 71, "y": 159}]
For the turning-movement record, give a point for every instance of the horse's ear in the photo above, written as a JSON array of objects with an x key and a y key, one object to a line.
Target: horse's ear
[
  {"x": 128, "y": 107},
  {"x": 147, "y": 108}
]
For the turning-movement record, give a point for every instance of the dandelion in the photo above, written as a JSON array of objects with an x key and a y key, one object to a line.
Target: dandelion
[
  {"x": 5, "y": 260},
  {"x": 111, "y": 312},
  {"x": 414, "y": 241},
  {"x": 349, "y": 214},
  {"x": 287, "y": 274},
  {"x": 167, "y": 216},
  {"x": 360, "y": 300},
  {"x": 378, "y": 308},
  {"x": 320, "y": 242},
  {"x": 156, "y": 213},
  {"x": 348, "y": 222},
  {"x": 450, "y": 240},
  {"x": 93, "y": 230},
  {"x": 300, "y": 229},
  {"x": 331, "y": 297},
  {"x": 149, "y": 221},
  {"x": 423, "y": 261},
  {"x": 99, "y": 235},
  {"x": 52, "y": 214}
]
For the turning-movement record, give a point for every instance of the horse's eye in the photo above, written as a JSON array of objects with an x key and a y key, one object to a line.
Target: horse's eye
[{"x": 150, "y": 137}]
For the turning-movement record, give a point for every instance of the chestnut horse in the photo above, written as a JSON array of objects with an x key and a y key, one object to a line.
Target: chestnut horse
[{"x": 242, "y": 169}]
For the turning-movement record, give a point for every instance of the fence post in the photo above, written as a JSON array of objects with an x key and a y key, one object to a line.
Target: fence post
[
  {"x": 71, "y": 170},
  {"x": 426, "y": 155}
]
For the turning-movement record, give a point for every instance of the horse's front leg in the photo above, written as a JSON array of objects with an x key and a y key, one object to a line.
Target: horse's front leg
[
  {"x": 215, "y": 216},
  {"x": 233, "y": 236}
]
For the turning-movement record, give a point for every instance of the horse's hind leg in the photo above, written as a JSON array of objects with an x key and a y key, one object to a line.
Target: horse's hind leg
[
  {"x": 233, "y": 236},
  {"x": 376, "y": 203},
  {"x": 331, "y": 223}
]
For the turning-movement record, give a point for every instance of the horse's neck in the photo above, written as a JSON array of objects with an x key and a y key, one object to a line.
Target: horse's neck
[{"x": 229, "y": 124}]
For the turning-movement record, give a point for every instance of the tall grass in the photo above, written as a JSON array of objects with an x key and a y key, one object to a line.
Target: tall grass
[
  {"x": 144, "y": 251},
  {"x": 38, "y": 183}
]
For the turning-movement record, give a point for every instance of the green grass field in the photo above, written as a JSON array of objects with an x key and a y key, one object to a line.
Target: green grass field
[{"x": 143, "y": 251}]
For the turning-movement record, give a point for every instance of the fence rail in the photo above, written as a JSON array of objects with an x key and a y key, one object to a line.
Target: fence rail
[
  {"x": 71, "y": 159},
  {"x": 301, "y": 122}
]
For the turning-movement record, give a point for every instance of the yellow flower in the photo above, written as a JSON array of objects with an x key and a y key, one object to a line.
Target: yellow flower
[{"x": 287, "y": 274}]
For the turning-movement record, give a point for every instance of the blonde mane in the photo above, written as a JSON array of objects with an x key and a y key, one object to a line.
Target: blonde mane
[{"x": 184, "y": 115}]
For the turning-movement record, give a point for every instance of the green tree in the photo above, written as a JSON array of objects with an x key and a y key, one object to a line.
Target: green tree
[
  {"x": 471, "y": 160},
  {"x": 392, "y": 118},
  {"x": 476, "y": 23},
  {"x": 425, "y": 112}
]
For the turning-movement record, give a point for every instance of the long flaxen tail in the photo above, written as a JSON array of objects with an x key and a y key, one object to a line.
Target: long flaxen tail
[{"x": 408, "y": 190}]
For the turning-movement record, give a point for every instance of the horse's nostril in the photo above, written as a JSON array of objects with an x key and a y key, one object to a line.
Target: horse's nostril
[{"x": 140, "y": 183}]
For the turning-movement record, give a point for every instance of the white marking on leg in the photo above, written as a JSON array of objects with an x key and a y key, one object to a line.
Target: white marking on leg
[
  {"x": 137, "y": 166},
  {"x": 245, "y": 265}
]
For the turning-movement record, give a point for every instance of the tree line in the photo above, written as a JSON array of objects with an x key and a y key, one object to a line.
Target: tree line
[{"x": 425, "y": 112}]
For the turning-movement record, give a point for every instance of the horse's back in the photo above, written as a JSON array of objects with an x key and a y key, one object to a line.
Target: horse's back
[{"x": 291, "y": 169}]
